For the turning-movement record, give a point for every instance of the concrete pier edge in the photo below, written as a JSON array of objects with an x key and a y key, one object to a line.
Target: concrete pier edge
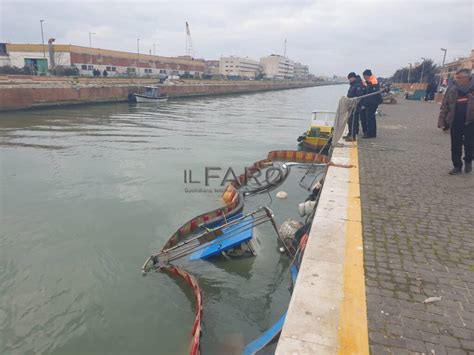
[
  {"x": 30, "y": 94},
  {"x": 327, "y": 312}
]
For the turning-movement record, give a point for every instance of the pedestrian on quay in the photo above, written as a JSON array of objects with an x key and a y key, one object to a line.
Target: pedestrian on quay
[
  {"x": 356, "y": 89},
  {"x": 370, "y": 104},
  {"x": 430, "y": 92},
  {"x": 457, "y": 114},
  {"x": 104, "y": 73}
]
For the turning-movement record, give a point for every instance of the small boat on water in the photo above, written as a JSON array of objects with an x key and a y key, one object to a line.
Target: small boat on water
[
  {"x": 317, "y": 138},
  {"x": 151, "y": 94}
]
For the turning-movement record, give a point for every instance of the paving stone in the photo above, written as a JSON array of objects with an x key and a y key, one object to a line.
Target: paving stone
[{"x": 418, "y": 225}]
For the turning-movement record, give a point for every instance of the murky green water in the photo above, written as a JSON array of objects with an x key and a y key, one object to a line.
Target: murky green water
[{"x": 87, "y": 193}]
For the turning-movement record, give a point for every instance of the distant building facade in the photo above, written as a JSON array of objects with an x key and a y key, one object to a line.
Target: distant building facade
[
  {"x": 212, "y": 67},
  {"x": 277, "y": 67},
  {"x": 117, "y": 63},
  {"x": 242, "y": 67},
  {"x": 301, "y": 71},
  {"x": 449, "y": 69}
]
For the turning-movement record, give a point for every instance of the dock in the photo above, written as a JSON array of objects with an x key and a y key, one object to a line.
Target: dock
[
  {"x": 389, "y": 266},
  {"x": 29, "y": 91}
]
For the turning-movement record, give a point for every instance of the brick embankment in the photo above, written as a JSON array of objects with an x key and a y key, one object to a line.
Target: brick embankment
[
  {"x": 418, "y": 232},
  {"x": 29, "y": 92}
]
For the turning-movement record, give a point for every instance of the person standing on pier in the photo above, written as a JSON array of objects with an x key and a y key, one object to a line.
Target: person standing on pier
[
  {"x": 356, "y": 89},
  {"x": 457, "y": 114},
  {"x": 370, "y": 104}
]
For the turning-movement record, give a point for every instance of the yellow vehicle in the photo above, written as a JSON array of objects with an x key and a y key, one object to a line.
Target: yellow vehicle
[{"x": 318, "y": 136}]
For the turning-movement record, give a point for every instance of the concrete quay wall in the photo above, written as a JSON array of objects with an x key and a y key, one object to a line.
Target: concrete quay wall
[
  {"x": 327, "y": 312},
  {"x": 31, "y": 94}
]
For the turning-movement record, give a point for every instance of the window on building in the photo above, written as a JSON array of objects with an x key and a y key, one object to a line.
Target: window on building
[
  {"x": 130, "y": 70},
  {"x": 83, "y": 67},
  {"x": 108, "y": 68},
  {"x": 162, "y": 71},
  {"x": 114, "y": 69},
  {"x": 90, "y": 67}
]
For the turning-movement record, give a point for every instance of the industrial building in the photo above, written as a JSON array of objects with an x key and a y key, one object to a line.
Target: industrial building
[
  {"x": 276, "y": 66},
  {"x": 242, "y": 67},
  {"x": 39, "y": 58},
  {"x": 301, "y": 71},
  {"x": 212, "y": 67}
]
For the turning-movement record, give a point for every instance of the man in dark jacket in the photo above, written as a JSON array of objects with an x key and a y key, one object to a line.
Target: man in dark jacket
[
  {"x": 356, "y": 89},
  {"x": 371, "y": 103},
  {"x": 457, "y": 114}
]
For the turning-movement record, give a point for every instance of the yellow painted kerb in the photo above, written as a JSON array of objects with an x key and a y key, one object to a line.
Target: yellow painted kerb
[{"x": 353, "y": 331}]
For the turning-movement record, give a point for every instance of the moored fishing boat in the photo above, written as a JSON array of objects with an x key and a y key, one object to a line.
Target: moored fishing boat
[
  {"x": 151, "y": 94},
  {"x": 318, "y": 137}
]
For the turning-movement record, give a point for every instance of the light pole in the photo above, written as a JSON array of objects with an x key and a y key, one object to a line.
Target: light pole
[
  {"x": 90, "y": 44},
  {"x": 442, "y": 66},
  {"x": 42, "y": 38},
  {"x": 422, "y": 68},
  {"x": 409, "y": 73},
  {"x": 138, "y": 56}
]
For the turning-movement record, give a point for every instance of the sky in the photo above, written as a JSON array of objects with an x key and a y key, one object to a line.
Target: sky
[{"x": 331, "y": 36}]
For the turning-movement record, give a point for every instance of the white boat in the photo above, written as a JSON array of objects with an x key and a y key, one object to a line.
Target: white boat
[{"x": 151, "y": 94}]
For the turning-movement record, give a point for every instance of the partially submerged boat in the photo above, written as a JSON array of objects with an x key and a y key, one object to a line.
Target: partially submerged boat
[
  {"x": 151, "y": 94},
  {"x": 318, "y": 137},
  {"x": 228, "y": 232}
]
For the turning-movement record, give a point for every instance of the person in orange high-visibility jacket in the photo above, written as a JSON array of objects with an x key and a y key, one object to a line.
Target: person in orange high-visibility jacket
[{"x": 370, "y": 104}]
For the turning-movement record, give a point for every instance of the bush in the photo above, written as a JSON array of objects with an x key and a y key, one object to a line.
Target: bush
[
  {"x": 6, "y": 69},
  {"x": 62, "y": 70}
]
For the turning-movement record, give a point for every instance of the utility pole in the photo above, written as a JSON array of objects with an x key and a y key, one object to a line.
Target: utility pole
[
  {"x": 422, "y": 68},
  {"x": 42, "y": 39},
  {"x": 90, "y": 45},
  {"x": 409, "y": 73},
  {"x": 138, "y": 56},
  {"x": 442, "y": 66}
]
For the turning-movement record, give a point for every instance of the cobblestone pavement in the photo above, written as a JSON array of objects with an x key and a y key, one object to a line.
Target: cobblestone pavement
[{"x": 418, "y": 225}]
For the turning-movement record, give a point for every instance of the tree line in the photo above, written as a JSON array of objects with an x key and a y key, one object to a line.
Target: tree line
[{"x": 413, "y": 75}]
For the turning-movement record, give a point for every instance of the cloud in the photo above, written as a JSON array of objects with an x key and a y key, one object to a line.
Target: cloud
[{"x": 332, "y": 37}]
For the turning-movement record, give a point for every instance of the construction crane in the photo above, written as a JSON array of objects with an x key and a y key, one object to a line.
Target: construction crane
[{"x": 189, "y": 42}]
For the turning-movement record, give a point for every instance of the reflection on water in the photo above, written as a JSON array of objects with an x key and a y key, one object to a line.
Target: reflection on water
[{"x": 88, "y": 192}]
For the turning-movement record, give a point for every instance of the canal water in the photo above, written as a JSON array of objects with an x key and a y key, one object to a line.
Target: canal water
[{"x": 88, "y": 192}]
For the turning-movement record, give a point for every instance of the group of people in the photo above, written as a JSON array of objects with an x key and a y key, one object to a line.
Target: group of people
[
  {"x": 457, "y": 115},
  {"x": 96, "y": 73},
  {"x": 366, "y": 109}
]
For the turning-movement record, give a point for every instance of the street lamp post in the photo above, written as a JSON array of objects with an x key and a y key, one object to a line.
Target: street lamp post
[
  {"x": 42, "y": 39},
  {"x": 442, "y": 66},
  {"x": 90, "y": 44},
  {"x": 422, "y": 68},
  {"x": 138, "y": 56}
]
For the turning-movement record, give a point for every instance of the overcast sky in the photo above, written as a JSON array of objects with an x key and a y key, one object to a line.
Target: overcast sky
[{"x": 332, "y": 37}]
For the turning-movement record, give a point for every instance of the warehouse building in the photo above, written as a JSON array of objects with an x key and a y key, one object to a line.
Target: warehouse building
[
  {"x": 277, "y": 67},
  {"x": 301, "y": 71},
  {"x": 242, "y": 67},
  {"x": 39, "y": 58}
]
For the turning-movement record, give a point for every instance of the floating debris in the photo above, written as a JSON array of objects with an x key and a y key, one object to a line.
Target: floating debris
[{"x": 432, "y": 299}]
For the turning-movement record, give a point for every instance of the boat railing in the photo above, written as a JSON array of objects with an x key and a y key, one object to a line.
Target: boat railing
[{"x": 203, "y": 240}]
